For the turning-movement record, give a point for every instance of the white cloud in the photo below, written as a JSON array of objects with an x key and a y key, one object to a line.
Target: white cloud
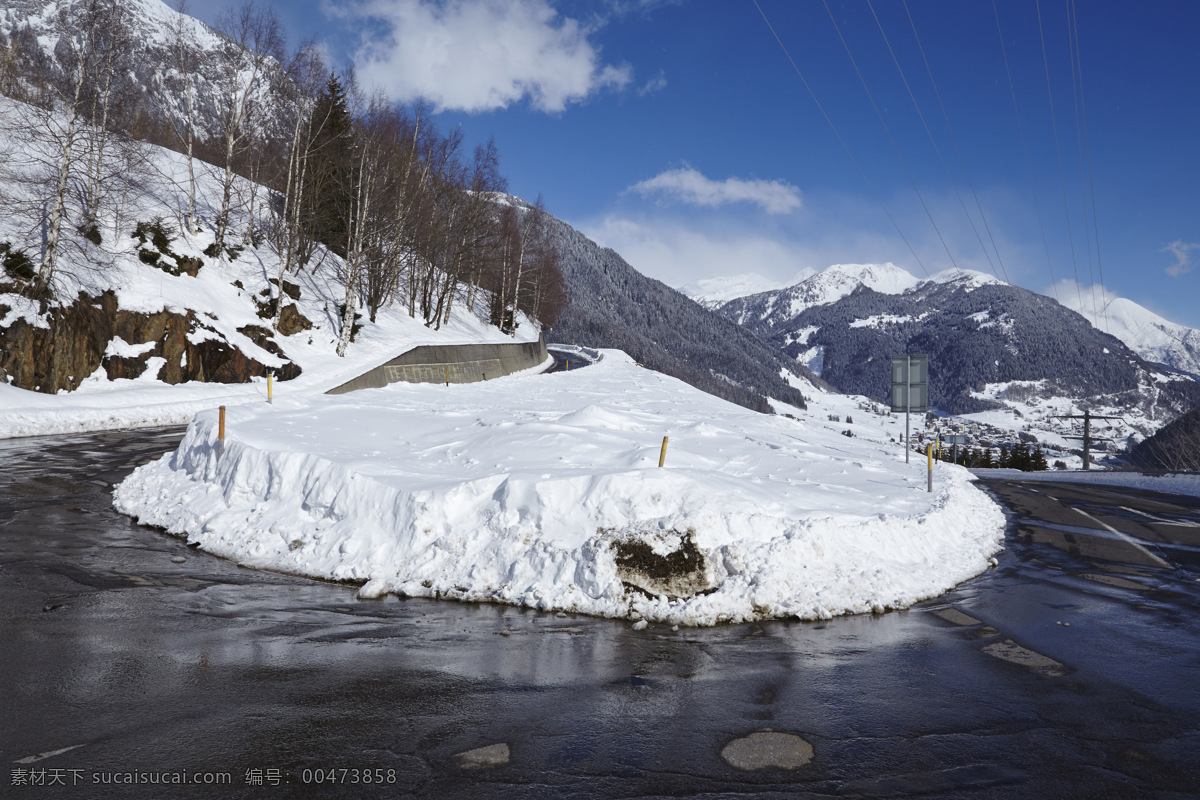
[
  {"x": 479, "y": 55},
  {"x": 688, "y": 185},
  {"x": 1183, "y": 259},
  {"x": 678, "y": 254},
  {"x": 655, "y": 84},
  {"x": 1090, "y": 301}
]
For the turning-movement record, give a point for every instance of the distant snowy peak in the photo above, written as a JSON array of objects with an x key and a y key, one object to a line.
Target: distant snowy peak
[
  {"x": 965, "y": 278},
  {"x": 714, "y": 292},
  {"x": 776, "y": 308},
  {"x": 840, "y": 280},
  {"x": 1146, "y": 333}
]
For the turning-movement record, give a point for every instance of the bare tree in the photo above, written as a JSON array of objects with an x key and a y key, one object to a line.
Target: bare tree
[
  {"x": 65, "y": 157},
  {"x": 254, "y": 48},
  {"x": 183, "y": 51},
  {"x": 288, "y": 239},
  {"x": 368, "y": 186}
]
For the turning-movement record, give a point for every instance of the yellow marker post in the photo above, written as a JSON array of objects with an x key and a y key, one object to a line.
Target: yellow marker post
[
  {"x": 270, "y": 386},
  {"x": 220, "y": 431},
  {"x": 447, "y": 376},
  {"x": 662, "y": 456},
  {"x": 929, "y": 459}
]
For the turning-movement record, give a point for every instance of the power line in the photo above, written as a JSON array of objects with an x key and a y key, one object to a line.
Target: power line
[
  {"x": 836, "y": 133},
  {"x": 932, "y": 141},
  {"x": 1025, "y": 151},
  {"x": 1087, "y": 232},
  {"x": 1087, "y": 145},
  {"x": 888, "y": 131},
  {"x": 962, "y": 161},
  {"x": 1058, "y": 151}
]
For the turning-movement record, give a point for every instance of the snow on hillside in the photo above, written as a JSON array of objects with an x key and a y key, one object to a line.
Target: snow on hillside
[
  {"x": 100, "y": 404},
  {"x": 150, "y": 77},
  {"x": 544, "y": 491},
  {"x": 1146, "y": 333}
]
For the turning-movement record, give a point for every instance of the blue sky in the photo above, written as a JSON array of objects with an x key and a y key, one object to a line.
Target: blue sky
[{"x": 679, "y": 134}]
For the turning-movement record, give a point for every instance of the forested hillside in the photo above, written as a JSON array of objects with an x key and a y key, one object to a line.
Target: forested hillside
[
  {"x": 1175, "y": 448},
  {"x": 613, "y": 305}
]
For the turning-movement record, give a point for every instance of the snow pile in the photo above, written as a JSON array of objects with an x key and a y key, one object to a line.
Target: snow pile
[{"x": 545, "y": 491}]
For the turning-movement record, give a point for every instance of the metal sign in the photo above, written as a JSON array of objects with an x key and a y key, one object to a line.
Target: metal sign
[{"x": 910, "y": 383}]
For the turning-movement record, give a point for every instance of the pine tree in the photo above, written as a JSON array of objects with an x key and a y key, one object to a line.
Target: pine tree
[
  {"x": 1004, "y": 462},
  {"x": 1038, "y": 460},
  {"x": 328, "y": 185}
]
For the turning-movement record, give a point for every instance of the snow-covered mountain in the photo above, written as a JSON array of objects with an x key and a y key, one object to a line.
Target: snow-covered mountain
[
  {"x": 775, "y": 309},
  {"x": 1013, "y": 357},
  {"x": 1147, "y": 334},
  {"x": 614, "y": 305},
  {"x": 160, "y": 53}
]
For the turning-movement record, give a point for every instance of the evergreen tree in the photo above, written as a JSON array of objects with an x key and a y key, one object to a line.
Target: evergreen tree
[
  {"x": 985, "y": 459},
  {"x": 1038, "y": 460},
  {"x": 1004, "y": 462},
  {"x": 1018, "y": 458},
  {"x": 328, "y": 186}
]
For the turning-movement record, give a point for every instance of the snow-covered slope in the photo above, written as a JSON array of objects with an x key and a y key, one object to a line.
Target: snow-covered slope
[
  {"x": 544, "y": 491},
  {"x": 1147, "y": 334},
  {"x": 162, "y": 50},
  {"x": 1009, "y": 358},
  {"x": 224, "y": 299}
]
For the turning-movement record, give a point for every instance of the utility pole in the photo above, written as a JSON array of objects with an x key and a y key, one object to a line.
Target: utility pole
[{"x": 1087, "y": 417}]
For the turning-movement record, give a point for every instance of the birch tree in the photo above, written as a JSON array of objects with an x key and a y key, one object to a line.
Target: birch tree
[
  {"x": 305, "y": 70},
  {"x": 367, "y": 179},
  {"x": 61, "y": 129},
  {"x": 253, "y": 49},
  {"x": 183, "y": 52}
]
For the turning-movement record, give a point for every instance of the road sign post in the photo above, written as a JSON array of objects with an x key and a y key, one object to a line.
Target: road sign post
[{"x": 910, "y": 390}]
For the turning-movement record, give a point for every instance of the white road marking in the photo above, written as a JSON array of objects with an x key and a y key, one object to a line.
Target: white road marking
[
  {"x": 1010, "y": 651},
  {"x": 956, "y": 617},
  {"x": 1126, "y": 537},
  {"x": 1160, "y": 520},
  {"x": 50, "y": 754}
]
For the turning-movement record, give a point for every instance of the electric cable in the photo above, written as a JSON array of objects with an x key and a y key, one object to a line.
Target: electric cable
[
  {"x": 1025, "y": 151},
  {"x": 840, "y": 139},
  {"x": 1087, "y": 146},
  {"x": 953, "y": 138},
  {"x": 888, "y": 131},
  {"x": 1062, "y": 179},
  {"x": 932, "y": 141},
  {"x": 1087, "y": 231}
]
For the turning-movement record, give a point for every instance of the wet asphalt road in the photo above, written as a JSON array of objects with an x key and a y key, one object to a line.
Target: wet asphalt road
[{"x": 143, "y": 655}]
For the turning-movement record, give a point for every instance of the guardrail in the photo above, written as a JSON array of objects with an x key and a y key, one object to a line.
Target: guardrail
[{"x": 449, "y": 363}]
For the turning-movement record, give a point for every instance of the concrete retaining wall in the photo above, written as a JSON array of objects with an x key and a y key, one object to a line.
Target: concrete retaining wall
[{"x": 461, "y": 363}]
